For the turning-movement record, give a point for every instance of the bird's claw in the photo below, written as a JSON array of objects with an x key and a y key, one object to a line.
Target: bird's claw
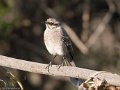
[{"x": 49, "y": 65}]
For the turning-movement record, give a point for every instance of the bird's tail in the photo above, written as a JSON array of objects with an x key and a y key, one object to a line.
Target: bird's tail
[{"x": 75, "y": 81}]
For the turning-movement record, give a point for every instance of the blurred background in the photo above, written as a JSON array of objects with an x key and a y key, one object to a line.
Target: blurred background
[{"x": 95, "y": 36}]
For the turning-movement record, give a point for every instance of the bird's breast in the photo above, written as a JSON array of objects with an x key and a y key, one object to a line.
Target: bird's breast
[{"x": 53, "y": 42}]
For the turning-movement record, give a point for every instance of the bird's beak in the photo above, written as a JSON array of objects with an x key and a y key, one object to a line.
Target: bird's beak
[{"x": 45, "y": 22}]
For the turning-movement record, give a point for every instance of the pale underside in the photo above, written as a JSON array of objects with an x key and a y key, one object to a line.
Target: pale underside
[
  {"x": 53, "y": 41},
  {"x": 57, "y": 42}
]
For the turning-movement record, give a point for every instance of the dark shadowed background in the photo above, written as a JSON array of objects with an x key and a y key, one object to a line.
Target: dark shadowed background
[{"x": 95, "y": 22}]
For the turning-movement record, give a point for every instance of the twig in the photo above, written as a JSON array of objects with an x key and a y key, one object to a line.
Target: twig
[
  {"x": 85, "y": 20},
  {"x": 75, "y": 72},
  {"x": 101, "y": 27}
]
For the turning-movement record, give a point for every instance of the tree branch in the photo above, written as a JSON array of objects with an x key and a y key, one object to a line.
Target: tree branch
[
  {"x": 101, "y": 27},
  {"x": 76, "y": 72}
]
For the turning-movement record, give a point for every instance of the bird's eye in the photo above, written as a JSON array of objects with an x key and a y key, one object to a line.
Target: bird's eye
[{"x": 50, "y": 23}]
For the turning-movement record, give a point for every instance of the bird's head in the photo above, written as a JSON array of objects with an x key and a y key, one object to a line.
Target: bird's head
[{"x": 52, "y": 23}]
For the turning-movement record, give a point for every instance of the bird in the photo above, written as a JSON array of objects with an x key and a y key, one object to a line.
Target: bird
[{"x": 58, "y": 42}]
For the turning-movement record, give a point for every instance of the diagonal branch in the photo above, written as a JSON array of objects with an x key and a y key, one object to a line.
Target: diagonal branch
[
  {"x": 75, "y": 39},
  {"x": 101, "y": 27}
]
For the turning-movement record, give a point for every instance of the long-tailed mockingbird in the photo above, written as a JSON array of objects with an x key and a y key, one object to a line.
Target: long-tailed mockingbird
[{"x": 57, "y": 42}]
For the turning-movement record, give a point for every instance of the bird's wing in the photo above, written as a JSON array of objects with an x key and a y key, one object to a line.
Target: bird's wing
[{"x": 67, "y": 43}]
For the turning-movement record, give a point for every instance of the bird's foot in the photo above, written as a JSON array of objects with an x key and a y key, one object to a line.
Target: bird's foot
[
  {"x": 48, "y": 66},
  {"x": 62, "y": 64}
]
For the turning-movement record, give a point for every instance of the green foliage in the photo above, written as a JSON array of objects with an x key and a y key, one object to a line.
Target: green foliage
[
  {"x": 5, "y": 26},
  {"x": 6, "y": 29},
  {"x": 3, "y": 9}
]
